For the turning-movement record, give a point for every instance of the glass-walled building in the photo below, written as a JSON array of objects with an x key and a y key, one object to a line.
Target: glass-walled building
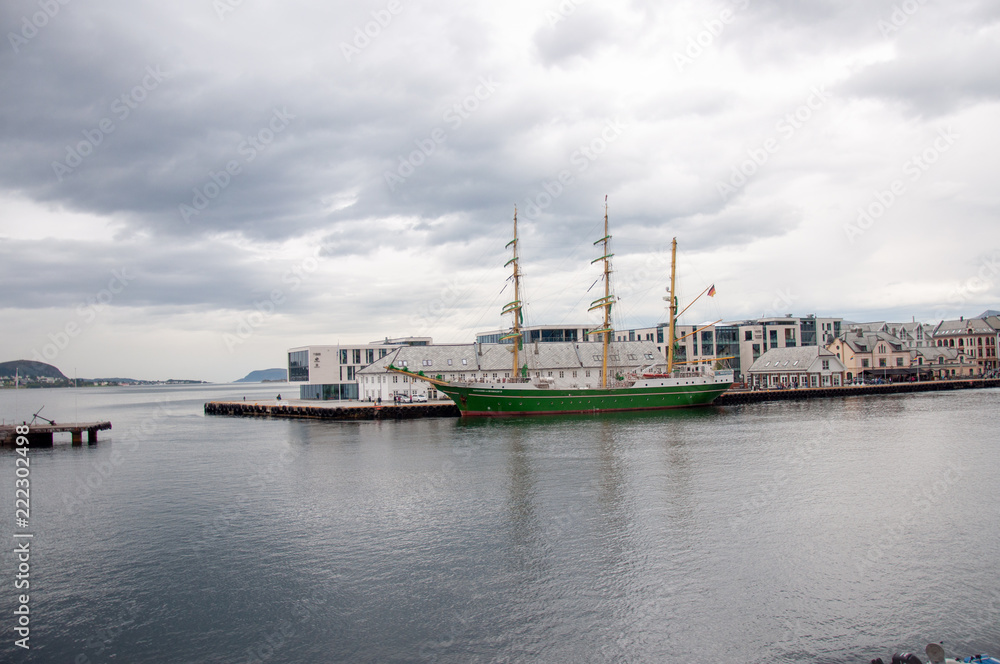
[
  {"x": 331, "y": 372},
  {"x": 538, "y": 333}
]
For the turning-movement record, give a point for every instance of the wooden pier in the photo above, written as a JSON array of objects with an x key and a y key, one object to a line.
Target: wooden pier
[{"x": 42, "y": 435}]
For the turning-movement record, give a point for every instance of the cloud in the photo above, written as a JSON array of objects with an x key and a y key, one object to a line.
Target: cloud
[
  {"x": 214, "y": 154},
  {"x": 935, "y": 73}
]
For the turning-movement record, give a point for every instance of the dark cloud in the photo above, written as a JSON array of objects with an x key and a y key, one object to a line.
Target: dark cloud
[{"x": 223, "y": 149}]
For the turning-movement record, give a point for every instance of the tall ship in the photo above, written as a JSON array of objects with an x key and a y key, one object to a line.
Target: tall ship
[{"x": 650, "y": 385}]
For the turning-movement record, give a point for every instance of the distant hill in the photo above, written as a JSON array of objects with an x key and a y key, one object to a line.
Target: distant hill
[
  {"x": 25, "y": 368},
  {"x": 264, "y": 374}
]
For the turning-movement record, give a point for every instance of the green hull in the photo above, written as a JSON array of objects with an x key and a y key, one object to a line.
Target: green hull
[{"x": 502, "y": 401}]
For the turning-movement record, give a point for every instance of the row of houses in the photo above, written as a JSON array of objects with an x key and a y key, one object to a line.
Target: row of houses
[
  {"x": 887, "y": 352},
  {"x": 767, "y": 352}
]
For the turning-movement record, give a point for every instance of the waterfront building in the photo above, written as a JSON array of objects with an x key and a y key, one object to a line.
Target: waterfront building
[
  {"x": 566, "y": 365},
  {"x": 748, "y": 340},
  {"x": 910, "y": 335},
  {"x": 940, "y": 363},
  {"x": 796, "y": 366},
  {"x": 693, "y": 345},
  {"x": 740, "y": 343},
  {"x": 867, "y": 354},
  {"x": 331, "y": 372},
  {"x": 539, "y": 333},
  {"x": 977, "y": 339},
  {"x": 870, "y": 354}
]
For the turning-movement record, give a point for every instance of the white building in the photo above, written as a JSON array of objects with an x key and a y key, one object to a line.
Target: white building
[
  {"x": 331, "y": 372},
  {"x": 803, "y": 366},
  {"x": 569, "y": 365}
]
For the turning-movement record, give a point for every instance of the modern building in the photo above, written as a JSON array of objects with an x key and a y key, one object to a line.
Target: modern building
[
  {"x": 748, "y": 340},
  {"x": 331, "y": 372},
  {"x": 540, "y": 333},
  {"x": 796, "y": 366},
  {"x": 737, "y": 345}
]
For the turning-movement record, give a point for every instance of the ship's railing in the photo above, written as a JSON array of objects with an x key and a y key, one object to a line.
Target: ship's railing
[{"x": 494, "y": 381}]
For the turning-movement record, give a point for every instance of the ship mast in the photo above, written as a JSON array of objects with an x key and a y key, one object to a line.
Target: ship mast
[
  {"x": 606, "y": 301},
  {"x": 672, "y": 308},
  {"x": 514, "y": 307}
]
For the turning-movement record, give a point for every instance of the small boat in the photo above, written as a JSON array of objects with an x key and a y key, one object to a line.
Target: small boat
[{"x": 935, "y": 651}]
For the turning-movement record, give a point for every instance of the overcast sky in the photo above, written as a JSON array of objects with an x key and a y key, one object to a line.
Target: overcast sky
[{"x": 188, "y": 189}]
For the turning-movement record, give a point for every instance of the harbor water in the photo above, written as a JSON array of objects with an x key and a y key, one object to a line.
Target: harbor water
[{"x": 830, "y": 530}]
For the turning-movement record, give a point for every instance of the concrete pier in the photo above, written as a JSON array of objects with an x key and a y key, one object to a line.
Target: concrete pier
[
  {"x": 355, "y": 410},
  {"x": 42, "y": 435},
  {"x": 734, "y": 397},
  {"x": 332, "y": 410}
]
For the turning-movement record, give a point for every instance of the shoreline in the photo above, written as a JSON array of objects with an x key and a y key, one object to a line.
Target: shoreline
[{"x": 361, "y": 410}]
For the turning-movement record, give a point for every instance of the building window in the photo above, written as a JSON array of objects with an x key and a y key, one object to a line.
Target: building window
[
  {"x": 298, "y": 365},
  {"x": 574, "y": 374},
  {"x": 343, "y": 356},
  {"x": 370, "y": 355},
  {"x": 899, "y": 361},
  {"x": 747, "y": 335},
  {"x": 449, "y": 363},
  {"x": 881, "y": 362},
  {"x": 586, "y": 373},
  {"x": 357, "y": 356},
  {"x": 561, "y": 374}
]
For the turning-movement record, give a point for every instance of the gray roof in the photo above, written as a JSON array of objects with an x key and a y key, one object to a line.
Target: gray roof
[
  {"x": 963, "y": 326},
  {"x": 798, "y": 358},
  {"x": 867, "y": 341},
  {"x": 876, "y": 326},
  {"x": 497, "y": 357},
  {"x": 934, "y": 352}
]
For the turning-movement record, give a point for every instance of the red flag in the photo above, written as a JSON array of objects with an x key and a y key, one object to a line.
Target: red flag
[{"x": 711, "y": 291}]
